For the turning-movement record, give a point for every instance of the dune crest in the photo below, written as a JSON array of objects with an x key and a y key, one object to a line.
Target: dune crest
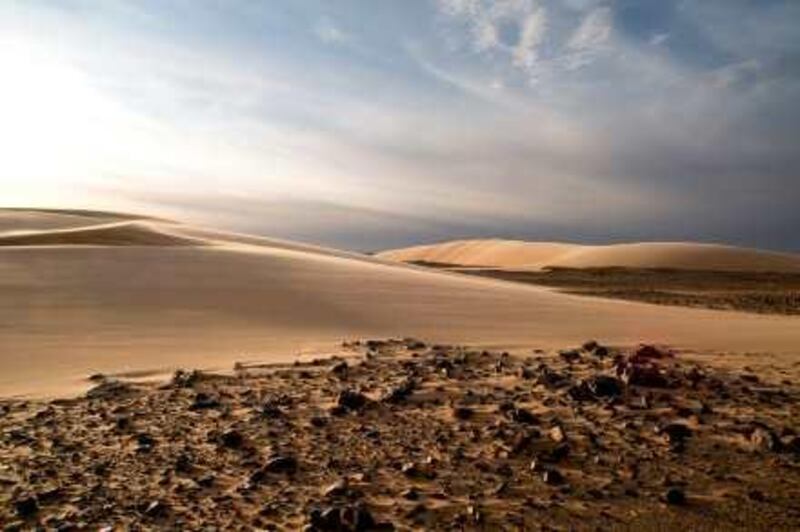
[
  {"x": 128, "y": 233},
  {"x": 532, "y": 256}
]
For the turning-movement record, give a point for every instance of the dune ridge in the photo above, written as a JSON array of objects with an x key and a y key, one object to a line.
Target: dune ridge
[
  {"x": 117, "y": 307},
  {"x": 127, "y": 233},
  {"x": 533, "y": 256}
]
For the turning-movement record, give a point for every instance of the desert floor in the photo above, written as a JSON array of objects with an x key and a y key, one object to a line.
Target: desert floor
[{"x": 401, "y": 435}]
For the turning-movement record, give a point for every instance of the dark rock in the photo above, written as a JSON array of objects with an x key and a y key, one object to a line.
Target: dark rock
[
  {"x": 552, "y": 477},
  {"x": 183, "y": 463},
  {"x": 337, "y": 489},
  {"x": 203, "y": 401},
  {"x": 414, "y": 345},
  {"x": 231, "y": 439},
  {"x": 570, "y": 356},
  {"x": 463, "y": 412},
  {"x": 521, "y": 415},
  {"x": 110, "y": 389},
  {"x": 764, "y": 439},
  {"x": 600, "y": 351},
  {"x": 26, "y": 507},
  {"x": 792, "y": 445},
  {"x": 410, "y": 494},
  {"x": 525, "y": 373},
  {"x": 645, "y": 376},
  {"x": 352, "y": 400},
  {"x": 318, "y": 421},
  {"x": 156, "y": 509},
  {"x": 676, "y": 433},
  {"x": 340, "y": 369},
  {"x": 413, "y": 470},
  {"x": 330, "y": 519},
  {"x": 185, "y": 379},
  {"x": 605, "y": 386},
  {"x": 523, "y": 441},
  {"x": 559, "y": 452},
  {"x": 281, "y": 464},
  {"x": 646, "y": 353},
  {"x": 400, "y": 392},
  {"x": 580, "y": 392},
  {"x": 589, "y": 346},
  {"x": 206, "y": 481},
  {"x": 271, "y": 410},
  {"x": 145, "y": 442},
  {"x": 675, "y": 497},
  {"x": 551, "y": 379}
]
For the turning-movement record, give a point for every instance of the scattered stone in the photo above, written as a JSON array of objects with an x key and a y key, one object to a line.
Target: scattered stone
[
  {"x": 231, "y": 439},
  {"x": 281, "y": 464},
  {"x": 675, "y": 497},
  {"x": 26, "y": 507},
  {"x": 76, "y": 457},
  {"x": 156, "y": 509},
  {"x": 570, "y": 356},
  {"x": 144, "y": 442},
  {"x": 645, "y": 376},
  {"x": 204, "y": 401},
  {"x": 463, "y": 413},
  {"x": 521, "y": 415},
  {"x": 352, "y": 400},
  {"x": 340, "y": 369},
  {"x": 605, "y": 386},
  {"x": 765, "y": 440},
  {"x": 675, "y": 432},
  {"x": 185, "y": 379},
  {"x": 552, "y": 477},
  {"x": 410, "y": 494},
  {"x": 337, "y": 489},
  {"x": 110, "y": 389},
  {"x": 400, "y": 392}
]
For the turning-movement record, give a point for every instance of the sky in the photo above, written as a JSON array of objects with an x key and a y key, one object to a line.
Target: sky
[{"x": 370, "y": 124}]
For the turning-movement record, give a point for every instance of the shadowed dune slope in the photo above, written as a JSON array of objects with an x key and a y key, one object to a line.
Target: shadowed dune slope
[
  {"x": 67, "y": 311},
  {"x": 133, "y": 233},
  {"x": 518, "y": 255}
]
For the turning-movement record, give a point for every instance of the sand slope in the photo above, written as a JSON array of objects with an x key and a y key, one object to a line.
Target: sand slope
[
  {"x": 68, "y": 309},
  {"x": 537, "y": 255}
]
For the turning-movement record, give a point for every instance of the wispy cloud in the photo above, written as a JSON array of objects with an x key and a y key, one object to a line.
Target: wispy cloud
[{"x": 329, "y": 32}]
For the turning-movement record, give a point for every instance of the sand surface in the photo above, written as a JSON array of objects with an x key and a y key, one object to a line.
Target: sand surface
[
  {"x": 520, "y": 255},
  {"x": 146, "y": 297}
]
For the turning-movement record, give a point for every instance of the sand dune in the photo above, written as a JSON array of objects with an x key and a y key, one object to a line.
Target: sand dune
[
  {"x": 68, "y": 310},
  {"x": 129, "y": 233},
  {"x": 520, "y": 255}
]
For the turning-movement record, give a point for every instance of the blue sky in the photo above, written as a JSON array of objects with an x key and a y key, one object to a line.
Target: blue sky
[{"x": 370, "y": 124}]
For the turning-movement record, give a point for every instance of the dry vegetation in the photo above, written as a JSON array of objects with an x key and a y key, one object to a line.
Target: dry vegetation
[{"x": 761, "y": 292}]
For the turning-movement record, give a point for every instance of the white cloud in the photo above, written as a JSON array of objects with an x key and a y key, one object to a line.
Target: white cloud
[
  {"x": 531, "y": 36},
  {"x": 594, "y": 31},
  {"x": 330, "y": 33},
  {"x": 659, "y": 38}
]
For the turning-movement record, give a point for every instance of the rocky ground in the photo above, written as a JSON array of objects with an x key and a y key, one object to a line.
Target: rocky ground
[{"x": 402, "y": 435}]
